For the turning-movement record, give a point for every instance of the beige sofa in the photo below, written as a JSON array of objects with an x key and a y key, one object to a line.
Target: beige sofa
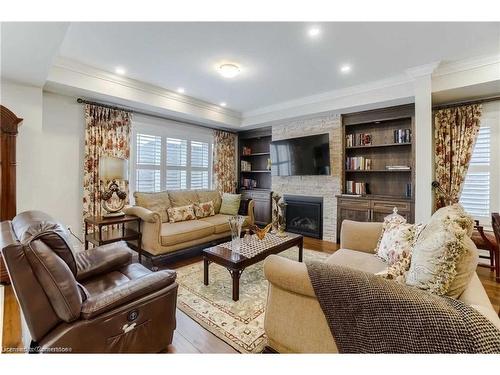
[
  {"x": 160, "y": 237},
  {"x": 294, "y": 321}
]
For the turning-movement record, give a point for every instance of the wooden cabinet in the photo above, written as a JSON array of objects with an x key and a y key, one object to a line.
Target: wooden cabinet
[
  {"x": 373, "y": 209},
  {"x": 9, "y": 124},
  {"x": 262, "y": 204}
]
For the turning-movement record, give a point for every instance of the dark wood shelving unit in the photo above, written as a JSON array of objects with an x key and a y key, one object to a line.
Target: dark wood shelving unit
[
  {"x": 385, "y": 188},
  {"x": 259, "y": 142}
]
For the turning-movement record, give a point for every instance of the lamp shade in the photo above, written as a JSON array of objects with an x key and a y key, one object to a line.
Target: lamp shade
[{"x": 113, "y": 168}]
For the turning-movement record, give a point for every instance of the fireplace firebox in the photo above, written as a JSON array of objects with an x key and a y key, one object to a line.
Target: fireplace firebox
[{"x": 304, "y": 215}]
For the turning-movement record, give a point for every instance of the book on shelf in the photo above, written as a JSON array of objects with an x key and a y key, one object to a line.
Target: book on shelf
[
  {"x": 362, "y": 139},
  {"x": 246, "y": 166},
  {"x": 353, "y": 187},
  {"x": 359, "y": 163},
  {"x": 248, "y": 183},
  {"x": 402, "y": 136}
]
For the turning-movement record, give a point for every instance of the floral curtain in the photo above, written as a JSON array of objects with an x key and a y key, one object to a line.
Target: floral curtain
[
  {"x": 455, "y": 132},
  {"x": 107, "y": 132},
  {"x": 224, "y": 161}
]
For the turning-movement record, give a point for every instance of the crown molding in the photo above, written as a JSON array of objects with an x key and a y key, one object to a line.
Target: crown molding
[
  {"x": 422, "y": 70},
  {"x": 184, "y": 101},
  {"x": 463, "y": 65}
]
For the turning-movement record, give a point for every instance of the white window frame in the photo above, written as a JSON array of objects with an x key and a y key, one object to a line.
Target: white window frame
[
  {"x": 491, "y": 117},
  {"x": 170, "y": 129}
]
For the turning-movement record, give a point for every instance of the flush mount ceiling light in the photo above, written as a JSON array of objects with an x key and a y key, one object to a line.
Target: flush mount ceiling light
[
  {"x": 345, "y": 68},
  {"x": 222, "y": 104},
  {"x": 181, "y": 90},
  {"x": 229, "y": 70},
  {"x": 314, "y": 32},
  {"x": 119, "y": 70}
]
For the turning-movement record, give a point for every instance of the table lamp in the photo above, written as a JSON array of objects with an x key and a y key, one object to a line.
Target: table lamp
[{"x": 112, "y": 169}]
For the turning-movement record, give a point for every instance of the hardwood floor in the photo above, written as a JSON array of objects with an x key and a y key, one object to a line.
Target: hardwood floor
[{"x": 190, "y": 337}]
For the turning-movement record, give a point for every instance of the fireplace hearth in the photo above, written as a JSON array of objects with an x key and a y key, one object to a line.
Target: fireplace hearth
[{"x": 304, "y": 215}]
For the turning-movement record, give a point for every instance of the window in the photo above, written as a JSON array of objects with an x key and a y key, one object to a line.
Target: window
[
  {"x": 480, "y": 195},
  {"x": 177, "y": 162}
]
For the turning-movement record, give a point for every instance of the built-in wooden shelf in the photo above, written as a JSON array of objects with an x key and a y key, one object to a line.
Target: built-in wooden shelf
[
  {"x": 265, "y": 171},
  {"x": 383, "y": 145},
  {"x": 380, "y": 121}
]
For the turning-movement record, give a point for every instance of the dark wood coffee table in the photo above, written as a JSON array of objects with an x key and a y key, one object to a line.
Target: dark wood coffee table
[{"x": 236, "y": 262}]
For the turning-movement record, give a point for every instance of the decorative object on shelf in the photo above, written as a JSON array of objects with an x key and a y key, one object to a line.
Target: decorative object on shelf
[
  {"x": 261, "y": 233},
  {"x": 235, "y": 223},
  {"x": 269, "y": 163},
  {"x": 112, "y": 169},
  {"x": 362, "y": 139},
  {"x": 246, "y": 151},
  {"x": 402, "y": 136},
  {"x": 246, "y": 166}
]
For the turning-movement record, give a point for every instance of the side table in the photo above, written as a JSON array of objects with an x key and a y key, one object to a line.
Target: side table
[{"x": 100, "y": 237}]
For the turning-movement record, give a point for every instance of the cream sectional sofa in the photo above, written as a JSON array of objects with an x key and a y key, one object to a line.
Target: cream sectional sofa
[
  {"x": 294, "y": 321},
  {"x": 160, "y": 237}
]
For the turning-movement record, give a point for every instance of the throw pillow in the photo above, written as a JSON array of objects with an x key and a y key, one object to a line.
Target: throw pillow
[
  {"x": 204, "y": 209},
  {"x": 230, "y": 204},
  {"x": 444, "y": 258},
  {"x": 181, "y": 213},
  {"x": 398, "y": 240}
]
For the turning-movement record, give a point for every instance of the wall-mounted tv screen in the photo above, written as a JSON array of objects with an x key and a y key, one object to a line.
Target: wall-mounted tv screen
[{"x": 304, "y": 156}]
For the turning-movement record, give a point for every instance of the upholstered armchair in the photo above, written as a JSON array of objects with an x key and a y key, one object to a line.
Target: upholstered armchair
[{"x": 93, "y": 301}]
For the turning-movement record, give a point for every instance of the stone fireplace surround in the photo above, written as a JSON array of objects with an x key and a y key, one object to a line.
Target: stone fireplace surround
[{"x": 326, "y": 187}]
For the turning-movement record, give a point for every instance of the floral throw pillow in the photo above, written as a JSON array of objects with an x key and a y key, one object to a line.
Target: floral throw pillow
[
  {"x": 204, "y": 209},
  {"x": 398, "y": 241},
  {"x": 181, "y": 213}
]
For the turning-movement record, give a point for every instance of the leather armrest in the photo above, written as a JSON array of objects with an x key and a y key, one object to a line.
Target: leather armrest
[
  {"x": 145, "y": 214},
  {"x": 244, "y": 207},
  {"x": 134, "y": 289},
  {"x": 102, "y": 259}
]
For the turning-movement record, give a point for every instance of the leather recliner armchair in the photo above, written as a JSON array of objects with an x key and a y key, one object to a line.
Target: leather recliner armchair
[{"x": 92, "y": 301}]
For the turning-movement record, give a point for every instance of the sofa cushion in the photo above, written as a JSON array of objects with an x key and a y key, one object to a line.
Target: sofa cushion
[
  {"x": 358, "y": 260},
  {"x": 221, "y": 223},
  {"x": 210, "y": 195},
  {"x": 230, "y": 204},
  {"x": 182, "y": 213},
  {"x": 444, "y": 258},
  {"x": 157, "y": 202},
  {"x": 180, "y": 198},
  {"x": 183, "y": 231},
  {"x": 204, "y": 209}
]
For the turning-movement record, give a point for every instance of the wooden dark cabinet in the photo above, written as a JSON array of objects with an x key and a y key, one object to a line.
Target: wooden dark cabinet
[
  {"x": 254, "y": 151},
  {"x": 262, "y": 205},
  {"x": 9, "y": 124}
]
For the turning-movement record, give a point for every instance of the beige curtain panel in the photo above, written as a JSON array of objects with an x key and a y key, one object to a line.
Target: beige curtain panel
[
  {"x": 224, "y": 155},
  {"x": 107, "y": 133},
  {"x": 455, "y": 133}
]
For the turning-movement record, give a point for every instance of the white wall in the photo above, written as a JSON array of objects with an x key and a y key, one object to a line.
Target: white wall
[{"x": 49, "y": 151}]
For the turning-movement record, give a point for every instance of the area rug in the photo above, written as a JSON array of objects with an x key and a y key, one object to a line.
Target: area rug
[{"x": 239, "y": 324}]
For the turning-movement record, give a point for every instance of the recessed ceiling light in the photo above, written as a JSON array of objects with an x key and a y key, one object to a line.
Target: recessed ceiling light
[
  {"x": 181, "y": 90},
  {"x": 314, "y": 31},
  {"x": 229, "y": 70},
  {"x": 345, "y": 68},
  {"x": 119, "y": 70},
  {"x": 223, "y": 104}
]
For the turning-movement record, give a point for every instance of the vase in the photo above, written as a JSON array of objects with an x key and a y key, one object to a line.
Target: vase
[{"x": 235, "y": 224}]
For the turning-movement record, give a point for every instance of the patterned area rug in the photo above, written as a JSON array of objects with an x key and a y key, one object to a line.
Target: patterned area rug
[{"x": 241, "y": 323}]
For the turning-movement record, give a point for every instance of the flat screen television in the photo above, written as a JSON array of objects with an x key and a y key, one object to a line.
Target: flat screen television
[{"x": 304, "y": 156}]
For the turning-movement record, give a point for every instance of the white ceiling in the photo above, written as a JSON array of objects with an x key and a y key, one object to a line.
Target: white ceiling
[{"x": 280, "y": 62}]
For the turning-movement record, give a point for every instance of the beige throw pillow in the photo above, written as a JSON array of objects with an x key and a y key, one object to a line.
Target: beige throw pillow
[
  {"x": 204, "y": 209},
  {"x": 182, "y": 213},
  {"x": 230, "y": 204},
  {"x": 444, "y": 258}
]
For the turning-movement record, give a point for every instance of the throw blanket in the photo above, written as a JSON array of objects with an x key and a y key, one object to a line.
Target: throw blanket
[{"x": 369, "y": 314}]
